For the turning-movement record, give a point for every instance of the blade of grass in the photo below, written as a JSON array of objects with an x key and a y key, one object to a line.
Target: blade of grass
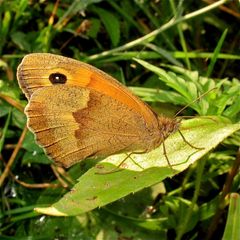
[
  {"x": 164, "y": 53},
  {"x": 232, "y": 229},
  {"x": 180, "y": 33},
  {"x": 5, "y": 131},
  {"x": 216, "y": 53},
  {"x": 153, "y": 34}
]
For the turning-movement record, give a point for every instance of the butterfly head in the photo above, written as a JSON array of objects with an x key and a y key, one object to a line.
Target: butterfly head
[{"x": 168, "y": 126}]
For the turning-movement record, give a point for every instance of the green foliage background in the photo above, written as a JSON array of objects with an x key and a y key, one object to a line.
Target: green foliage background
[{"x": 169, "y": 52}]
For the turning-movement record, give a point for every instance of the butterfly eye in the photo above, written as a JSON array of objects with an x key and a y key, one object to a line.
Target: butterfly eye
[{"x": 57, "y": 78}]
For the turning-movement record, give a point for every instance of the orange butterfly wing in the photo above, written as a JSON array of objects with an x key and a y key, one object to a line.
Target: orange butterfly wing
[{"x": 89, "y": 114}]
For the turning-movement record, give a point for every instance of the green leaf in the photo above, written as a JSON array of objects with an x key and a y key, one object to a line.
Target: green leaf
[
  {"x": 18, "y": 118},
  {"x": 111, "y": 24},
  {"x": 177, "y": 206},
  {"x": 5, "y": 109},
  {"x": 20, "y": 39},
  {"x": 34, "y": 153},
  {"x": 232, "y": 229},
  {"x": 99, "y": 186},
  {"x": 94, "y": 28},
  {"x": 182, "y": 85},
  {"x": 74, "y": 8},
  {"x": 157, "y": 95},
  {"x": 34, "y": 157},
  {"x": 222, "y": 101},
  {"x": 234, "y": 108}
]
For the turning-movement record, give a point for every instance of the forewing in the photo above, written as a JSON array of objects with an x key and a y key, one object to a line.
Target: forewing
[{"x": 34, "y": 71}]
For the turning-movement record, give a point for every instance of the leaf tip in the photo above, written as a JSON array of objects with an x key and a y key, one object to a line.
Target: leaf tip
[{"x": 50, "y": 211}]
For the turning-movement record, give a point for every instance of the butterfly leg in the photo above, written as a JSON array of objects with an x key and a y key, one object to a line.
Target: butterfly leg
[
  {"x": 134, "y": 160},
  {"x": 185, "y": 140},
  {"x": 165, "y": 154},
  {"x": 117, "y": 168}
]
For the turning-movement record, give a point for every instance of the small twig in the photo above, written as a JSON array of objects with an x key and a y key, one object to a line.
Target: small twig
[
  {"x": 9, "y": 146},
  {"x": 225, "y": 9},
  {"x": 13, "y": 156},
  {"x": 36, "y": 185},
  {"x": 65, "y": 174},
  {"x": 51, "y": 19},
  {"x": 56, "y": 172},
  {"x": 31, "y": 185},
  {"x": 226, "y": 190},
  {"x": 12, "y": 102}
]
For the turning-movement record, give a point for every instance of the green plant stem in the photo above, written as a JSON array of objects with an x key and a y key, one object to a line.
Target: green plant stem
[
  {"x": 156, "y": 55},
  {"x": 183, "y": 226},
  {"x": 181, "y": 35},
  {"x": 153, "y": 34},
  {"x": 226, "y": 190}
]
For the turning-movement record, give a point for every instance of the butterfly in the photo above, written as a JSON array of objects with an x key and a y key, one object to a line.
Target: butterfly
[{"x": 77, "y": 111}]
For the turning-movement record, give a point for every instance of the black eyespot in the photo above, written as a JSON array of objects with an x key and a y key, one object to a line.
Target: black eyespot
[{"x": 57, "y": 78}]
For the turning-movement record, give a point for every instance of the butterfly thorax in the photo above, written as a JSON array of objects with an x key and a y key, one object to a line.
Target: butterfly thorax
[{"x": 166, "y": 126}]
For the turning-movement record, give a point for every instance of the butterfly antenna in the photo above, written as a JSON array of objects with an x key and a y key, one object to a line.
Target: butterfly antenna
[{"x": 199, "y": 97}]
